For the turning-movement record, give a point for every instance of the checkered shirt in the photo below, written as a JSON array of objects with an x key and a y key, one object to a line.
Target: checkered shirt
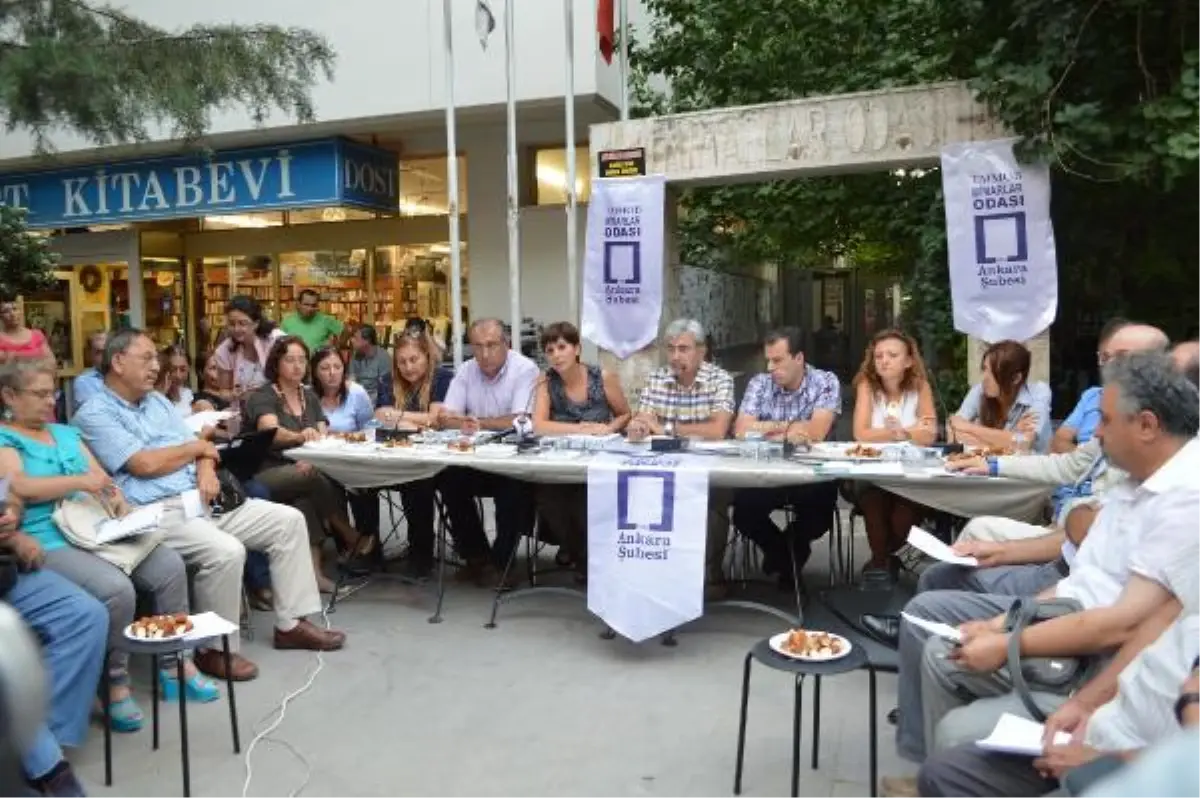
[
  {"x": 710, "y": 393},
  {"x": 766, "y": 401}
]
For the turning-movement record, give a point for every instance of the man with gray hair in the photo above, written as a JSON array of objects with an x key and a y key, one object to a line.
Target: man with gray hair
[
  {"x": 693, "y": 398},
  {"x": 1138, "y": 566}
]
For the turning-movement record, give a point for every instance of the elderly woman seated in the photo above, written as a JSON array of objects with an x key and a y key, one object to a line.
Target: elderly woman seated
[{"x": 49, "y": 463}]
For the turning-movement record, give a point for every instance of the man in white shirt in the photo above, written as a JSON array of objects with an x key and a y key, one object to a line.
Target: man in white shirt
[
  {"x": 488, "y": 393},
  {"x": 1140, "y": 555},
  {"x": 1138, "y": 716}
]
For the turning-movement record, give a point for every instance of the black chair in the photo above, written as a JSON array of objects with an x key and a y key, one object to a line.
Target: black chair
[{"x": 859, "y": 658}]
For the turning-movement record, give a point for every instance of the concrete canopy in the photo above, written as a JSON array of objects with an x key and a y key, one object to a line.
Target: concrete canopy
[{"x": 813, "y": 137}]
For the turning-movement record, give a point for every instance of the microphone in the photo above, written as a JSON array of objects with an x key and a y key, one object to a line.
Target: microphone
[{"x": 522, "y": 426}]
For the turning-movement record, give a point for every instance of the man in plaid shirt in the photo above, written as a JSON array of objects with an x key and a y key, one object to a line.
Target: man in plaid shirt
[
  {"x": 691, "y": 398},
  {"x": 795, "y": 400}
]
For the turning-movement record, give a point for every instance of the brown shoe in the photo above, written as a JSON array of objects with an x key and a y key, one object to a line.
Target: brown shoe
[
  {"x": 898, "y": 787},
  {"x": 212, "y": 662},
  {"x": 308, "y": 637}
]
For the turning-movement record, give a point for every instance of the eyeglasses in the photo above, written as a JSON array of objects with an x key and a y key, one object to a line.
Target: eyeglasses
[
  {"x": 43, "y": 394},
  {"x": 146, "y": 359},
  {"x": 293, "y": 360}
]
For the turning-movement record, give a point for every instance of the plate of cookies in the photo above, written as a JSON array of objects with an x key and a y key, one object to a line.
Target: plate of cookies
[
  {"x": 810, "y": 645},
  {"x": 159, "y": 628}
]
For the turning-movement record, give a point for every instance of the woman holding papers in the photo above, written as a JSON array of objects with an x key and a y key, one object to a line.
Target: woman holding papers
[
  {"x": 49, "y": 462},
  {"x": 893, "y": 404},
  {"x": 573, "y": 399}
]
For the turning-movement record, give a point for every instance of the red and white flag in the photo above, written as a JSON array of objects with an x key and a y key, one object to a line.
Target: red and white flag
[{"x": 605, "y": 28}]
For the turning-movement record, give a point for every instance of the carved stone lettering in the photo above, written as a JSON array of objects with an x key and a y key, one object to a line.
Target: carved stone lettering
[{"x": 900, "y": 127}]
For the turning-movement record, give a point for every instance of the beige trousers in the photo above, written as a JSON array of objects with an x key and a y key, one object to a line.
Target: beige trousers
[
  {"x": 216, "y": 547},
  {"x": 1001, "y": 530}
]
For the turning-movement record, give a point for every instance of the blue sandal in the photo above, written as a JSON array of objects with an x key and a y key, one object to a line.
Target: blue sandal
[
  {"x": 197, "y": 689},
  {"x": 125, "y": 715}
]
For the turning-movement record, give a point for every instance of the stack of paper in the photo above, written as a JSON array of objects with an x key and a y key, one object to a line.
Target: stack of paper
[
  {"x": 923, "y": 541},
  {"x": 138, "y": 522},
  {"x": 208, "y": 624},
  {"x": 1021, "y": 736},
  {"x": 196, "y": 422}
]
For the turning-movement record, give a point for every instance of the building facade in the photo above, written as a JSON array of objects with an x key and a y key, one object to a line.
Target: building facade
[{"x": 354, "y": 205}]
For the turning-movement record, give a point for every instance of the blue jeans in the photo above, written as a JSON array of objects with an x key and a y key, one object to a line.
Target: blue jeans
[
  {"x": 258, "y": 568},
  {"x": 73, "y": 629}
]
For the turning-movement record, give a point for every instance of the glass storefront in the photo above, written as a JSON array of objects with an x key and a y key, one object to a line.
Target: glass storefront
[{"x": 190, "y": 268}]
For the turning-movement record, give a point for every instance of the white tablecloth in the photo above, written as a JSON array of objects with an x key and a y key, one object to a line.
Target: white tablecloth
[{"x": 370, "y": 466}]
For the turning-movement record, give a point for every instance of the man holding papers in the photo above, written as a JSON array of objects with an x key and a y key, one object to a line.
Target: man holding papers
[
  {"x": 1140, "y": 557},
  {"x": 1138, "y": 715}
]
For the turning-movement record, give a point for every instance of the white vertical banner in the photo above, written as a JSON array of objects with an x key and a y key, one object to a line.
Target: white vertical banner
[
  {"x": 1003, "y": 267},
  {"x": 623, "y": 265},
  {"x": 647, "y": 527}
]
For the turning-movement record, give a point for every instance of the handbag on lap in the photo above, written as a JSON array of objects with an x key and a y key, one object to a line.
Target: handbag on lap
[
  {"x": 1058, "y": 675},
  {"x": 79, "y": 518}
]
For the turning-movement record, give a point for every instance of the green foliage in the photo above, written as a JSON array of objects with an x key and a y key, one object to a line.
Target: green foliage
[
  {"x": 26, "y": 262},
  {"x": 96, "y": 70},
  {"x": 1106, "y": 90}
]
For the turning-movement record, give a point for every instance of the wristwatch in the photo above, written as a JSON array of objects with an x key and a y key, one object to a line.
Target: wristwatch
[{"x": 1185, "y": 701}]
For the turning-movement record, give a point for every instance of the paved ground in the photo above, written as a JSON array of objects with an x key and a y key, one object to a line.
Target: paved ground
[{"x": 538, "y": 706}]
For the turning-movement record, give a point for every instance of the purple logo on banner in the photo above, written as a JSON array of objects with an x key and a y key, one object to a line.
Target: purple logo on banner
[{"x": 665, "y": 495}]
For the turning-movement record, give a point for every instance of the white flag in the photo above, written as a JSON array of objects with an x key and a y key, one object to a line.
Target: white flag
[
  {"x": 647, "y": 531},
  {"x": 623, "y": 266},
  {"x": 1000, "y": 242},
  {"x": 485, "y": 23}
]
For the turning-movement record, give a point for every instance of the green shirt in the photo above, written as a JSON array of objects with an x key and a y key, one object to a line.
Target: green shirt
[{"x": 314, "y": 332}]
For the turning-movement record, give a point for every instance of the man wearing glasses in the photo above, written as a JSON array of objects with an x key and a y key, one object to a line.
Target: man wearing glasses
[
  {"x": 309, "y": 324},
  {"x": 89, "y": 382},
  {"x": 488, "y": 393}
]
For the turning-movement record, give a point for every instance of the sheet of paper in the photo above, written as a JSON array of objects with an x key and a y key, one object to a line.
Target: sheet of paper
[
  {"x": 923, "y": 541},
  {"x": 193, "y": 505},
  {"x": 885, "y": 469},
  {"x": 1021, "y": 736},
  {"x": 141, "y": 520},
  {"x": 209, "y": 624},
  {"x": 934, "y": 627},
  {"x": 206, "y": 418},
  {"x": 645, "y": 500}
]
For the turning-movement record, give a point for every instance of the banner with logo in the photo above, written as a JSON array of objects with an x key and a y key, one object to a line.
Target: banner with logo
[
  {"x": 1003, "y": 267},
  {"x": 623, "y": 266},
  {"x": 647, "y": 522}
]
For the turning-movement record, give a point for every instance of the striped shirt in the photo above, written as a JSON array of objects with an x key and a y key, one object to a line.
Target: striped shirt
[{"x": 710, "y": 393}]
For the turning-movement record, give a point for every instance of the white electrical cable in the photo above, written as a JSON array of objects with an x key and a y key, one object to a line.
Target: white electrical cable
[{"x": 264, "y": 735}]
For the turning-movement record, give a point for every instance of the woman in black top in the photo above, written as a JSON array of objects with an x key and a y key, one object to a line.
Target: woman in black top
[
  {"x": 286, "y": 405},
  {"x": 574, "y": 398}
]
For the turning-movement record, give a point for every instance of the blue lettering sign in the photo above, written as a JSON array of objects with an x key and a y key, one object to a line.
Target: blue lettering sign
[{"x": 301, "y": 175}]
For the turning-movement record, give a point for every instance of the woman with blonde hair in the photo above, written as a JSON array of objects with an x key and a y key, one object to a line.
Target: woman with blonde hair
[
  {"x": 412, "y": 398},
  {"x": 893, "y": 403}
]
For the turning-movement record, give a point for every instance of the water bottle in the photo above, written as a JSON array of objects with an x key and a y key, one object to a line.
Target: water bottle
[{"x": 369, "y": 429}]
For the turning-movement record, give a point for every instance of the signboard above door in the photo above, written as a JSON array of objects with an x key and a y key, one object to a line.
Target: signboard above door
[{"x": 329, "y": 172}]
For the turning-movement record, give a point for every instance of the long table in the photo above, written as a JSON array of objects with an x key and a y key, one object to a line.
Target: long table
[{"x": 366, "y": 465}]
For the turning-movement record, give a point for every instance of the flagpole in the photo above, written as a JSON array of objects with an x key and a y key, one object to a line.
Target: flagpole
[
  {"x": 456, "y": 320},
  {"x": 622, "y": 27},
  {"x": 572, "y": 230},
  {"x": 514, "y": 211}
]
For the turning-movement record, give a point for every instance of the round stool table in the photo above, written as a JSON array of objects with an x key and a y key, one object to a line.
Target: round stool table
[
  {"x": 160, "y": 648},
  {"x": 855, "y": 660}
]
